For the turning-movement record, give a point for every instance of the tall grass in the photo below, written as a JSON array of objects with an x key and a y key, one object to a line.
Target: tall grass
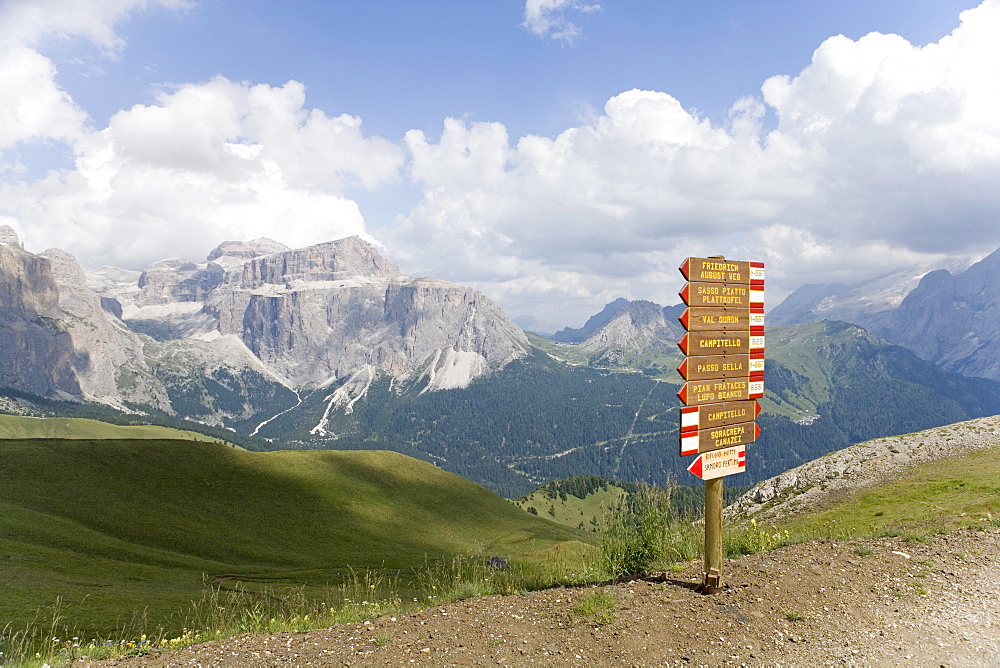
[{"x": 642, "y": 531}]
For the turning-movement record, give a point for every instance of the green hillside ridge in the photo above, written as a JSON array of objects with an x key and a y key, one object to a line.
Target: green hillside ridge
[
  {"x": 932, "y": 497},
  {"x": 114, "y": 526},
  {"x": 16, "y": 426},
  {"x": 574, "y": 511}
]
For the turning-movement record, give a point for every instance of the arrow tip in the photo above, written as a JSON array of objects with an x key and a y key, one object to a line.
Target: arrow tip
[
  {"x": 682, "y": 395},
  {"x": 685, "y": 268},
  {"x": 695, "y": 467}
]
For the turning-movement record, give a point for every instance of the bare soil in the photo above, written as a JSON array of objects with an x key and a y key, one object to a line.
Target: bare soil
[{"x": 883, "y": 602}]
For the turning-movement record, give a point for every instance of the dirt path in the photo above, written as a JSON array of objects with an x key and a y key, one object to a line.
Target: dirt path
[{"x": 884, "y": 602}]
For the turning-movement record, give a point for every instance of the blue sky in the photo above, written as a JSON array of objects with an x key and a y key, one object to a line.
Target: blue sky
[{"x": 555, "y": 154}]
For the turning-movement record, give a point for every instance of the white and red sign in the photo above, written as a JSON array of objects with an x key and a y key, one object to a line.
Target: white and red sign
[
  {"x": 694, "y": 418},
  {"x": 717, "y": 438},
  {"x": 719, "y": 463}
]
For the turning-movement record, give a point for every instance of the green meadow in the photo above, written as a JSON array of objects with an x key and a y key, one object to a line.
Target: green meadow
[
  {"x": 16, "y": 426},
  {"x": 107, "y": 535}
]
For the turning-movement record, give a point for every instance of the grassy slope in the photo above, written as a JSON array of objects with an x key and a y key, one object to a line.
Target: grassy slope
[
  {"x": 15, "y": 426},
  {"x": 568, "y": 353},
  {"x": 795, "y": 348},
  {"x": 944, "y": 494},
  {"x": 573, "y": 511},
  {"x": 116, "y": 526}
]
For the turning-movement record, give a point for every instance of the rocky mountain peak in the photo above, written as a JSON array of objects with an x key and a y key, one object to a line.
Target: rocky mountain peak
[
  {"x": 861, "y": 303},
  {"x": 635, "y": 325},
  {"x": 329, "y": 261},
  {"x": 594, "y": 322},
  {"x": 8, "y": 237},
  {"x": 178, "y": 280},
  {"x": 247, "y": 250}
]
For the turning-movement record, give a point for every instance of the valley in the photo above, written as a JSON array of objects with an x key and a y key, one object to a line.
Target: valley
[{"x": 331, "y": 347}]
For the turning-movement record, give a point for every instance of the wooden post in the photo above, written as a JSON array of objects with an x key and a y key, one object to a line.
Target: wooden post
[{"x": 713, "y": 536}]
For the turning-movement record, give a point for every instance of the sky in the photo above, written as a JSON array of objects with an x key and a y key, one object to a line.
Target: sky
[{"x": 554, "y": 154}]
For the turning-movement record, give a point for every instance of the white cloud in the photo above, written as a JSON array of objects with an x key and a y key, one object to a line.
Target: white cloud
[
  {"x": 548, "y": 18},
  {"x": 32, "y": 106},
  {"x": 208, "y": 162},
  {"x": 884, "y": 153}
]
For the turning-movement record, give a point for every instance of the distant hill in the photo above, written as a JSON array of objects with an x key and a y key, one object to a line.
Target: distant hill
[
  {"x": 16, "y": 426},
  {"x": 114, "y": 526},
  {"x": 858, "y": 302}
]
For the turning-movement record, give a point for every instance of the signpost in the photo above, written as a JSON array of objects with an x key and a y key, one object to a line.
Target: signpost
[{"x": 724, "y": 374}]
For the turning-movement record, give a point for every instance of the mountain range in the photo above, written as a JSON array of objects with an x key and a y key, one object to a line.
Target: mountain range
[
  {"x": 247, "y": 329},
  {"x": 950, "y": 319},
  {"x": 333, "y": 347}
]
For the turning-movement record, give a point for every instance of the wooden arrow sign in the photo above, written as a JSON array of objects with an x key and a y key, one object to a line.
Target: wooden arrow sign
[
  {"x": 720, "y": 318},
  {"x": 716, "y": 294},
  {"x": 709, "y": 440},
  {"x": 712, "y": 270},
  {"x": 700, "y": 392},
  {"x": 694, "y": 418},
  {"x": 709, "y": 367},
  {"x": 722, "y": 343},
  {"x": 720, "y": 463}
]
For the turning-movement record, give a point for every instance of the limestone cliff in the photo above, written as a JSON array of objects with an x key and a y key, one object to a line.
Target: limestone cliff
[
  {"x": 56, "y": 339},
  {"x": 231, "y": 340},
  {"x": 320, "y": 314}
]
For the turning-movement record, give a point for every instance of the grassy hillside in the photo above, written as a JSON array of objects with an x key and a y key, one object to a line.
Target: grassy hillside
[
  {"x": 115, "y": 526},
  {"x": 16, "y": 426},
  {"x": 957, "y": 491}
]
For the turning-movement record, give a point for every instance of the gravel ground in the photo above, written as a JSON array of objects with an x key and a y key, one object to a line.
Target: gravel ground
[{"x": 882, "y": 602}]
